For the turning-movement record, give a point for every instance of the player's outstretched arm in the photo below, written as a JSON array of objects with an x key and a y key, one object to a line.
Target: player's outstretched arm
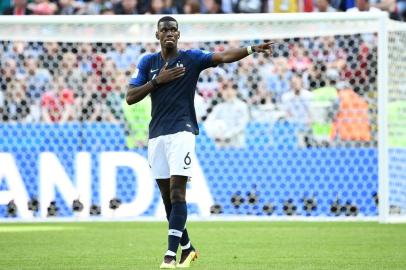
[
  {"x": 137, "y": 93},
  {"x": 235, "y": 54}
]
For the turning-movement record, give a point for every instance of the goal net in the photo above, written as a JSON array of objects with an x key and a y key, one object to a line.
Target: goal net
[
  {"x": 394, "y": 207},
  {"x": 314, "y": 129}
]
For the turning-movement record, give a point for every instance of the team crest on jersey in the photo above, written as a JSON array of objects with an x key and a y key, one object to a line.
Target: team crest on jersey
[
  {"x": 179, "y": 64},
  {"x": 135, "y": 74}
]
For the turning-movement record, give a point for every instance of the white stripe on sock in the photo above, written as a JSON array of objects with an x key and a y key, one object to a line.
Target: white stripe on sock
[
  {"x": 185, "y": 246},
  {"x": 175, "y": 233},
  {"x": 170, "y": 253}
]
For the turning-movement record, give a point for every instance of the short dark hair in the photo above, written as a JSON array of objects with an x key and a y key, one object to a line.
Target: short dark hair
[{"x": 166, "y": 19}]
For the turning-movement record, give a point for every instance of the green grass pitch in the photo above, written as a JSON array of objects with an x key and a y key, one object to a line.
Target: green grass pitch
[{"x": 223, "y": 245}]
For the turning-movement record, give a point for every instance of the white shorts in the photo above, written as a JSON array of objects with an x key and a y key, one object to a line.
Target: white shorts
[{"x": 172, "y": 154}]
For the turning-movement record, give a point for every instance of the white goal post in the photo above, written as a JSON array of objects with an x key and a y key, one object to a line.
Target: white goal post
[
  {"x": 108, "y": 28},
  {"x": 391, "y": 63}
]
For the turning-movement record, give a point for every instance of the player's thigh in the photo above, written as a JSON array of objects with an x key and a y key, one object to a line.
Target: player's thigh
[
  {"x": 157, "y": 158},
  {"x": 164, "y": 188},
  {"x": 181, "y": 153}
]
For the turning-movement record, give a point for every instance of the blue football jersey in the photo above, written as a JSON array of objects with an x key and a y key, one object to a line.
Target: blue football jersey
[{"x": 173, "y": 107}]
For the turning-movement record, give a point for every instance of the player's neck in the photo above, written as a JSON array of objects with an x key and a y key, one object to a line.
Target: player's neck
[{"x": 168, "y": 54}]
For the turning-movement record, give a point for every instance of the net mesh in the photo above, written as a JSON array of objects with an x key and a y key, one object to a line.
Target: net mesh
[
  {"x": 397, "y": 123},
  {"x": 292, "y": 133}
]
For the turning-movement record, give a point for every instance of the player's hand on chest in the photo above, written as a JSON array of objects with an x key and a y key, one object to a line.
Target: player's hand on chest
[{"x": 169, "y": 72}]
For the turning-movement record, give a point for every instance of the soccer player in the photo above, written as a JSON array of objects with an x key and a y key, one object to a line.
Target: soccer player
[{"x": 170, "y": 77}]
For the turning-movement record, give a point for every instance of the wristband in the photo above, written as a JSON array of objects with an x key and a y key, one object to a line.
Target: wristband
[
  {"x": 154, "y": 83},
  {"x": 250, "y": 50}
]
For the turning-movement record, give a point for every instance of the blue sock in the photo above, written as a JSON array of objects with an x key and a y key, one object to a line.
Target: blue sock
[
  {"x": 177, "y": 221},
  {"x": 184, "y": 241}
]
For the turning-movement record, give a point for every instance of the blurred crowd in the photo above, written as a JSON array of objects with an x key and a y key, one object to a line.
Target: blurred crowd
[
  {"x": 396, "y": 8},
  {"x": 323, "y": 88}
]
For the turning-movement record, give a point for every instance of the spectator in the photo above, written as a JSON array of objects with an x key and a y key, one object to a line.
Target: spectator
[
  {"x": 38, "y": 79},
  {"x": 5, "y": 5},
  {"x": 137, "y": 118},
  {"x": 307, "y": 6},
  {"x": 324, "y": 6},
  {"x": 212, "y": 6},
  {"x": 208, "y": 84},
  {"x": 316, "y": 75},
  {"x": 101, "y": 113},
  {"x": 126, "y": 7},
  {"x": 227, "y": 6},
  {"x": 351, "y": 123},
  {"x": 261, "y": 104},
  {"x": 69, "y": 7},
  {"x": 327, "y": 50},
  {"x": 296, "y": 106},
  {"x": 19, "y": 51},
  {"x": 43, "y": 7},
  {"x": 102, "y": 65},
  {"x": 401, "y": 9},
  {"x": 16, "y": 103},
  {"x": 107, "y": 11},
  {"x": 391, "y": 6},
  {"x": 95, "y": 7},
  {"x": 299, "y": 59},
  {"x": 283, "y": 6},
  {"x": 85, "y": 58},
  {"x": 249, "y": 6},
  {"x": 50, "y": 108},
  {"x": 58, "y": 106},
  {"x": 247, "y": 78},
  {"x": 116, "y": 97},
  {"x": 201, "y": 107},
  {"x": 69, "y": 74},
  {"x": 8, "y": 72},
  {"x": 3, "y": 111},
  {"x": 90, "y": 97},
  {"x": 68, "y": 105},
  {"x": 227, "y": 122},
  {"x": 48, "y": 59},
  {"x": 157, "y": 7},
  {"x": 324, "y": 106},
  {"x": 19, "y": 8},
  {"x": 339, "y": 5},
  {"x": 362, "y": 5},
  {"x": 173, "y": 6},
  {"x": 93, "y": 103},
  {"x": 278, "y": 81},
  {"x": 108, "y": 74},
  {"x": 123, "y": 56},
  {"x": 191, "y": 7}
]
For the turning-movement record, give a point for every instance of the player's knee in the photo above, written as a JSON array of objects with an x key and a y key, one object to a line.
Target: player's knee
[
  {"x": 177, "y": 196},
  {"x": 166, "y": 198}
]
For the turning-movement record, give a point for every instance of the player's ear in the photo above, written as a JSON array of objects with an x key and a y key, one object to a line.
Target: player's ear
[{"x": 156, "y": 35}]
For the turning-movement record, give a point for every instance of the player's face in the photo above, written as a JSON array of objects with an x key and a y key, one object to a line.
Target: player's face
[{"x": 168, "y": 34}]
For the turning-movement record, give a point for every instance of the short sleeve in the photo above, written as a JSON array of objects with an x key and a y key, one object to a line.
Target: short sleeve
[
  {"x": 140, "y": 75},
  {"x": 203, "y": 58}
]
